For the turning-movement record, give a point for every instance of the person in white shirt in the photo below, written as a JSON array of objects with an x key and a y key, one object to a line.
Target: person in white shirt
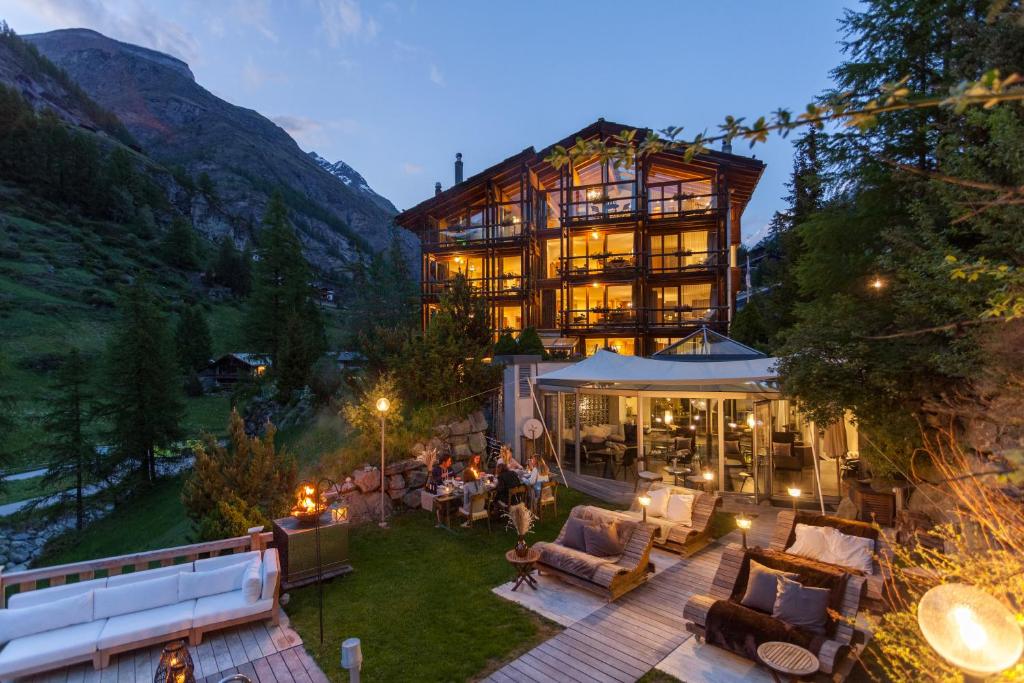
[{"x": 538, "y": 474}]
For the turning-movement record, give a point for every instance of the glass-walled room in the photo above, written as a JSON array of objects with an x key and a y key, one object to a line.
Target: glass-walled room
[{"x": 598, "y": 305}]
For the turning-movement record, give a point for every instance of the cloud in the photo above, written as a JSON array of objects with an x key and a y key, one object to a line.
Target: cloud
[
  {"x": 131, "y": 21},
  {"x": 255, "y": 13},
  {"x": 255, "y": 77},
  {"x": 311, "y": 133},
  {"x": 409, "y": 168},
  {"x": 436, "y": 77},
  {"x": 344, "y": 21}
]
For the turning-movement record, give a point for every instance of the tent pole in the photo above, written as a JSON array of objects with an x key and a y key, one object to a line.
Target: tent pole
[
  {"x": 721, "y": 442},
  {"x": 544, "y": 423},
  {"x": 817, "y": 473},
  {"x": 576, "y": 407}
]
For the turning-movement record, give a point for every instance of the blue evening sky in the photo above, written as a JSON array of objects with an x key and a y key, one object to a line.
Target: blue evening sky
[{"x": 395, "y": 88}]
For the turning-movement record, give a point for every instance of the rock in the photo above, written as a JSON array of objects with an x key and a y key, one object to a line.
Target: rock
[
  {"x": 349, "y": 486},
  {"x": 933, "y": 501},
  {"x": 413, "y": 464},
  {"x": 458, "y": 440},
  {"x": 373, "y": 507},
  {"x": 442, "y": 431},
  {"x": 847, "y": 509},
  {"x": 358, "y": 510},
  {"x": 462, "y": 451},
  {"x": 438, "y": 445},
  {"x": 394, "y": 468},
  {"x": 417, "y": 450},
  {"x": 457, "y": 467},
  {"x": 367, "y": 479},
  {"x": 460, "y": 428},
  {"x": 478, "y": 421},
  {"x": 416, "y": 478},
  {"x": 395, "y": 482},
  {"x": 477, "y": 442},
  {"x": 398, "y": 494},
  {"x": 411, "y": 499}
]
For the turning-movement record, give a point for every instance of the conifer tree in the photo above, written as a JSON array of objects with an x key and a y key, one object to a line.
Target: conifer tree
[
  {"x": 230, "y": 268},
  {"x": 193, "y": 340},
  {"x": 143, "y": 379},
  {"x": 178, "y": 245},
  {"x": 72, "y": 456}
]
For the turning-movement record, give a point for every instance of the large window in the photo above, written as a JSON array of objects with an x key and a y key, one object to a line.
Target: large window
[
  {"x": 601, "y": 305},
  {"x": 625, "y": 346},
  {"x": 509, "y": 318},
  {"x": 552, "y": 257},
  {"x": 679, "y": 304},
  {"x": 682, "y": 250},
  {"x": 508, "y": 274}
]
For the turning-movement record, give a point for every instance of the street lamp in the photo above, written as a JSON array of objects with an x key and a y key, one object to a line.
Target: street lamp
[
  {"x": 794, "y": 493},
  {"x": 644, "y": 501},
  {"x": 744, "y": 523},
  {"x": 970, "y": 629},
  {"x": 382, "y": 407}
]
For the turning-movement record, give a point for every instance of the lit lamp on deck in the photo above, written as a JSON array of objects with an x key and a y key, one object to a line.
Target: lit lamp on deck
[
  {"x": 744, "y": 523},
  {"x": 644, "y": 501},
  {"x": 794, "y": 493},
  {"x": 709, "y": 477},
  {"x": 175, "y": 664},
  {"x": 970, "y": 629},
  {"x": 382, "y": 407}
]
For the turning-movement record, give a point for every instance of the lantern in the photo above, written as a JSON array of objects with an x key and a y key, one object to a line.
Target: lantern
[{"x": 175, "y": 664}]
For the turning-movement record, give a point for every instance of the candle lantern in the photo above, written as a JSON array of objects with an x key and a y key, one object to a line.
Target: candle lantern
[
  {"x": 175, "y": 664},
  {"x": 644, "y": 501}
]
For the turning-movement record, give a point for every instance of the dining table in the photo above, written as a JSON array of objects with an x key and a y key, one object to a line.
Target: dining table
[{"x": 449, "y": 495}]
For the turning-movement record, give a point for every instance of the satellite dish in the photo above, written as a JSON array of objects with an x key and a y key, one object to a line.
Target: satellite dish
[{"x": 533, "y": 428}]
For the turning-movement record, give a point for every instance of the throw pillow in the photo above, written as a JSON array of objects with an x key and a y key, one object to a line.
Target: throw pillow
[
  {"x": 680, "y": 508},
  {"x": 602, "y": 540},
  {"x": 213, "y": 582},
  {"x": 252, "y": 582},
  {"x": 762, "y": 587},
  {"x": 659, "y": 502},
  {"x": 812, "y": 542},
  {"x": 573, "y": 537},
  {"x": 851, "y": 551},
  {"x": 26, "y": 621},
  {"x": 136, "y": 597},
  {"x": 801, "y": 606}
]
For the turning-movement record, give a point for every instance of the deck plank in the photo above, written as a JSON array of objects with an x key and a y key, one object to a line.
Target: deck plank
[
  {"x": 295, "y": 667},
  {"x": 277, "y": 664}
]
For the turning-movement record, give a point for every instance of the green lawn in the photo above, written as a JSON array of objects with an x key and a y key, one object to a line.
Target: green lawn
[
  {"x": 206, "y": 415},
  {"x": 22, "y": 489}
]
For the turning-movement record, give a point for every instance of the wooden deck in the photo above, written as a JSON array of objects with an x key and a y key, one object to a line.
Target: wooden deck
[
  {"x": 623, "y": 640},
  {"x": 261, "y": 651}
]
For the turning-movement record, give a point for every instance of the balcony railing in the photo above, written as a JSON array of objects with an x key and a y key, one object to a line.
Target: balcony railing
[
  {"x": 679, "y": 316},
  {"x": 467, "y": 235},
  {"x": 623, "y": 263},
  {"x": 602, "y": 202},
  {"x": 685, "y": 260},
  {"x": 510, "y": 284},
  {"x": 602, "y": 318},
  {"x": 678, "y": 199}
]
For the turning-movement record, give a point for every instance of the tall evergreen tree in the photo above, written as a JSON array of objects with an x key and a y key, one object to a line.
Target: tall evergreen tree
[
  {"x": 72, "y": 456},
  {"x": 193, "y": 340},
  {"x": 143, "y": 382},
  {"x": 230, "y": 267},
  {"x": 178, "y": 246}
]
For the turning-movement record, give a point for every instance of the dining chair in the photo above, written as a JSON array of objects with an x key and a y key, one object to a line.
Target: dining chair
[
  {"x": 477, "y": 509},
  {"x": 548, "y": 497}
]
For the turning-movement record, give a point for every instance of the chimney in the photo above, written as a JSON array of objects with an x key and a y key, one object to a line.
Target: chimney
[
  {"x": 437, "y": 189},
  {"x": 727, "y": 146},
  {"x": 458, "y": 167}
]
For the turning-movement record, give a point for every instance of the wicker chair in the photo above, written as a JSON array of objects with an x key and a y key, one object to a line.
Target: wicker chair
[
  {"x": 479, "y": 505},
  {"x": 548, "y": 497}
]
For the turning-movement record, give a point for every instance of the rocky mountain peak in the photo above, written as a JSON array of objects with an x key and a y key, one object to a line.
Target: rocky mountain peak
[
  {"x": 87, "y": 39},
  {"x": 353, "y": 179}
]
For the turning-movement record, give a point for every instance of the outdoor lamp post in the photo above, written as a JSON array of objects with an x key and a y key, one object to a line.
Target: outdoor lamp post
[
  {"x": 794, "y": 493},
  {"x": 382, "y": 407},
  {"x": 744, "y": 523},
  {"x": 970, "y": 629},
  {"x": 644, "y": 501},
  {"x": 352, "y": 658}
]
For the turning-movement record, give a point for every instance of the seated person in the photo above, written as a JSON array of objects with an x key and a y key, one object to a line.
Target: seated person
[
  {"x": 507, "y": 479},
  {"x": 510, "y": 462},
  {"x": 538, "y": 474},
  {"x": 440, "y": 472},
  {"x": 472, "y": 482}
]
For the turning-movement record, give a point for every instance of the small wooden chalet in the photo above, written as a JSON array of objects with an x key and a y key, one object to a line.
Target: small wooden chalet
[{"x": 232, "y": 368}]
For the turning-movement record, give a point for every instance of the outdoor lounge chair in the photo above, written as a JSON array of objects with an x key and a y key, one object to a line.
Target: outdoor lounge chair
[
  {"x": 741, "y": 629},
  {"x": 609, "y": 577},
  {"x": 677, "y": 537}
]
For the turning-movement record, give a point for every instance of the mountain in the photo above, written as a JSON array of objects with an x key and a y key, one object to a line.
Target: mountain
[
  {"x": 352, "y": 178},
  {"x": 182, "y": 125}
]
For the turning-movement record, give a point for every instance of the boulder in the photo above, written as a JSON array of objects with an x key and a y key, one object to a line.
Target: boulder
[
  {"x": 478, "y": 421},
  {"x": 373, "y": 506},
  {"x": 358, "y": 510},
  {"x": 416, "y": 478},
  {"x": 462, "y": 452},
  {"x": 395, "y": 482},
  {"x": 933, "y": 501},
  {"x": 413, "y": 464},
  {"x": 411, "y": 499},
  {"x": 417, "y": 450},
  {"x": 348, "y": 486},
  {"x": 477, "y": 442},
  {"x": 442, "y": 431},
  {"x": 457, "y": 467},
  {"x": 394, "y": 468},
  {"x": 367, "y": 479},
  {"x": 438, "y": 445},
  {"x": 398, "y": 494},
  {"x": 847, "y": 509},
  {"x": 460, "y": 428},
  {"x": 458, "y": 439}
]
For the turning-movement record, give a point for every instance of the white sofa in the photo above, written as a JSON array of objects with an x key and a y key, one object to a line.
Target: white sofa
[{"x": 91, "y": 620}]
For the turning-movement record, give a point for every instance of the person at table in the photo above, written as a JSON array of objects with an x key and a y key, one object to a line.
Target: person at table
[
  {"x": 510, "y": 462},
  {"x": 537, "y": 474},
  {"x": 440, "y": 472},
  {"x": 472, "y": 481},
  {"x": 507, "y": 479}
]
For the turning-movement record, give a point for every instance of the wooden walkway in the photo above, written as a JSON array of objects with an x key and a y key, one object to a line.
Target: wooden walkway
[
  {"x": 261, "y": 651},
  {"x": 623, "y": 640}
]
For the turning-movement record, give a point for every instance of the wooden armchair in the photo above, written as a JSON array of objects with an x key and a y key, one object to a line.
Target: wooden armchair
[{"x": 680, "y": 538}]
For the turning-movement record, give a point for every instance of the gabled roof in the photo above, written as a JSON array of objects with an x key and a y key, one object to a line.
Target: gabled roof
[
  {"x": 251, "y": 359},
  {"x": 707, "y": 345}
]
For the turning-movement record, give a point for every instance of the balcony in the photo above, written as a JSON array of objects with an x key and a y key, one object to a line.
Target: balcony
[
  {"x": 682, "y": 315},
  {"x": 680, "y": 199},
  {"x": 606, "y": 264},
  {"x": 686, "y": 261},
  {"x": 463, "y": 236},
  {"x": 508, "y": 285},
  {"x": 602, "y": 202},
  {"x": 602, "y": 319}
]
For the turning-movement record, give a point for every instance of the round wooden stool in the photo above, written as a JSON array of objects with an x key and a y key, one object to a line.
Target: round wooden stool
[{"x": 790, "y": 660}]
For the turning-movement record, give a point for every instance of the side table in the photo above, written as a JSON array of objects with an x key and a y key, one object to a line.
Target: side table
[
  {"x": 787, "y": 659},
  {"x": 524, "y": 567}
]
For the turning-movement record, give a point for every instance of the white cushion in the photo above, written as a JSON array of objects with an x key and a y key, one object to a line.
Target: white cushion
[
  {"x": 49, "y": 616},
  {"x": 270, "y": 571},
  {"x": 136, "y": 597},
  {"x": 31, "y": 598},
  {"x": 200, "y": 584},
  {"x": 851, "y": 551},
  {"x": 680, "y": 509},
  {"x": 41, "y": 649},
  {"x": 226, "y": 606},
  {"x": 146, "y": 575},
  {"x": 150, "y": 623},
  {"x": 659, "y": 502},
  {"x": 221, "y": 561},
  {"x": 252, "y": 582},
  {"x": 812, "y": 542}
]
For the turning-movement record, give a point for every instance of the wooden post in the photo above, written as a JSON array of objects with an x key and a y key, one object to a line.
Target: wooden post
[{"x": 256, "y": 538}]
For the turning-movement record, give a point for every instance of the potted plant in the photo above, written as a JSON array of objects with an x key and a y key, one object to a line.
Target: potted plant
[{"x": 521, "y": 520}]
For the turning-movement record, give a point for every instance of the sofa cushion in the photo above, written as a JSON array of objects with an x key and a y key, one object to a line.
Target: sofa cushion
[
  {"x": 252, "y": 582},
  {"x": 150, "y": 623},
  {"x": 800, "y": 605},
  {"x": 221, "y": 561},
  {"x": 200, "y": 584},
  {"x": 680, "y": 509},
  {"x": 813, "y": 542},
  {"x": 572, "y": 536},
  {"x": 213, "y": 609},
  {"x": 602, "y": 540},
  {"x": 48, "y": 647},
  {"x": 659, "y": 502},
  {"x": 571, "y": 561},
  {"x": 147, "y": 574},
  {"x": 270, "y": 572},
  {"x": 762, "y": 587},
  {"x": 43, "y": 595},
  {"x": 136, "y": 597},
  {"x": 851, "y": 551},
  {"x": 26, "y": 621}
]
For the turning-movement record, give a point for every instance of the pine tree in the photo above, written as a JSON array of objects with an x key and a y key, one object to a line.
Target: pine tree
[
  {"x": 193, "y": 340},
  {"x": 178, "y": 246},
  {"x": 143, "y": 379},
  {"x": 230, "y": 268},
  {"x": 71, "y": 454},
  {"x": 232, "y": 489},
  {"x": 7, "y": 422}
]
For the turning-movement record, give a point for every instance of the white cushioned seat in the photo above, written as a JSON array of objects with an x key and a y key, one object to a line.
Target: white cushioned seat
[
  {"x": 40, "y": 649},
  {"x": 150, "y": 623},
  {"x": 135, "y": 597},
  {"x": 270, "y": 573},
  {"x": 147, "y": 574},
  {"x": 225, "y": 560},
  {"x": 38, "y": 597},
  {"x": 225, "y": 607}
]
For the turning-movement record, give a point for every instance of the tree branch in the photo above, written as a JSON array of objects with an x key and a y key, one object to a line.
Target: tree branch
[{"x": 937, "y": 328}]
